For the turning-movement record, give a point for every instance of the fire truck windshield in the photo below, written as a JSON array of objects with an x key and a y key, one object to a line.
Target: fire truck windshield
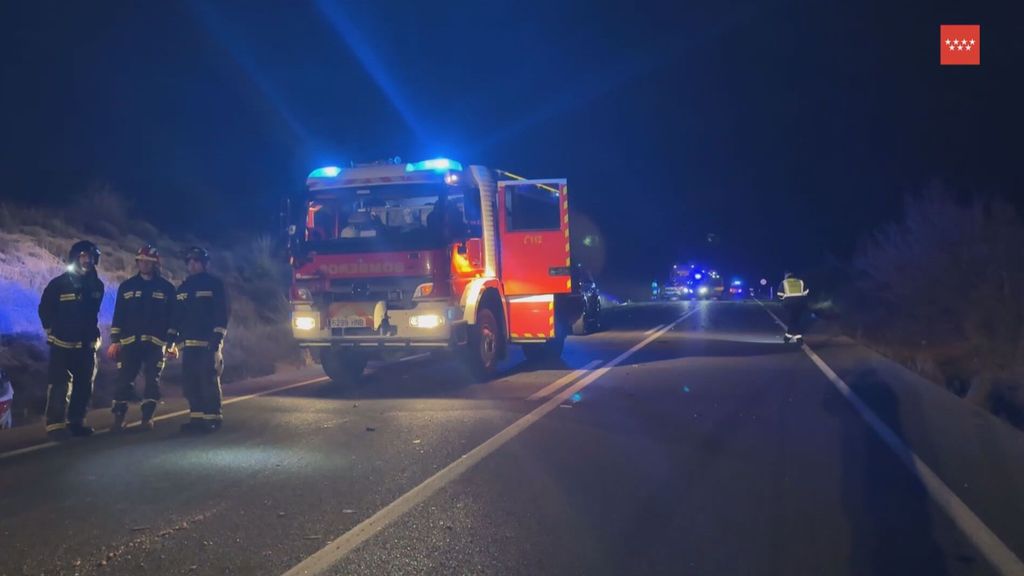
[{"x": 391, "y": 217}]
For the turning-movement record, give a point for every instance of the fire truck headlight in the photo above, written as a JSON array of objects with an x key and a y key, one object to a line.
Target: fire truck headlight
[
  {"x": 426, "y": 321},
  {"x": 304, "y": 322}
]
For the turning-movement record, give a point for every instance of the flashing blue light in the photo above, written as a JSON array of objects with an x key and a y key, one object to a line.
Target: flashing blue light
[
  {"x": 698, "y": 275},
  {"x": 436, "y": 164},
  {"x": 737, "y": 282},
  {"x": 325, "y": 172},
  {"x": 576, "y": 397}
]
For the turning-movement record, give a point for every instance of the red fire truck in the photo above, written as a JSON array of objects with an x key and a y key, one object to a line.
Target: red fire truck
[{"x": 393, "y": 259}]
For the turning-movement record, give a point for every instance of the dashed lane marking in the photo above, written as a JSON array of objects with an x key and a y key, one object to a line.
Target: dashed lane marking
[{"x": 551, "y": 388}]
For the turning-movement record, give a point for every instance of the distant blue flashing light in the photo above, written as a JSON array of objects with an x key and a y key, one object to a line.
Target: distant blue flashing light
[
  {"x": 698, "y": 275},
  {"x": 325, "y": 172},
  {"x": 737, "y": 282},
  {"x": 435, "y": 164}
]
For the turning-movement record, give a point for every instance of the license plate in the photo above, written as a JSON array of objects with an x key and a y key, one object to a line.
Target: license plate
[{"x": 350, "y": 322}]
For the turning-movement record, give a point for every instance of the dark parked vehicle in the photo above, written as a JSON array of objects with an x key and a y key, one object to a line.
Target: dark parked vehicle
[{"x": 590, "y": 321}]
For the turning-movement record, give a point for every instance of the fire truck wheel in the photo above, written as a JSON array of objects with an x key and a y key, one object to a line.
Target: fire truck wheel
[
  {"x": 341, "y": 367},
  {"x": 483, "y": 351}
]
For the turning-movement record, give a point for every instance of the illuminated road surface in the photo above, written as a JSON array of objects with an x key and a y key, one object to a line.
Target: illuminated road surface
[{"x": 661, "y": 446}]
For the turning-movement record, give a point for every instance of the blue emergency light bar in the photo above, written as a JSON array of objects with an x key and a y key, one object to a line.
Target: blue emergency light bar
[
  {"x": 435, "y": 164},
  {"x": 325, "y": 172}
]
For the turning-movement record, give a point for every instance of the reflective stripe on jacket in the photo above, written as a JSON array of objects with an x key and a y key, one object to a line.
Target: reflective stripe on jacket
[{"x": 791, "y": 287}]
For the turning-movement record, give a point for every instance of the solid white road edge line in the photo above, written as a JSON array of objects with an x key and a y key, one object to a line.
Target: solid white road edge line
[
  {"x": 550, "y": 388},
  {"x": 653, "y": 330},
  {"x": 169, "y": 415},
  {"x": 981, "y": 536},
  {"x": 329, "y": 555}
]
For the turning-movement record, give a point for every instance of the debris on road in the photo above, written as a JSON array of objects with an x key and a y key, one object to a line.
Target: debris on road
[
  {"x": 370, "y": 429},
  {"x": 139, "y": 528}
]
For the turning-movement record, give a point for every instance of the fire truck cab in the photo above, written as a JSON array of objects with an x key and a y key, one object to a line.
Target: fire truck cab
[{"x": 393, "y": 259}]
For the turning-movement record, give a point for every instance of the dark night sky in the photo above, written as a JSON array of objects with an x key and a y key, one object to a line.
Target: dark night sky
[{"x": 789, "y": 129}]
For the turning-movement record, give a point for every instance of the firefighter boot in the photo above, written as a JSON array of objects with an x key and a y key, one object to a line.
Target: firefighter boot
[
  {"x": 148, "y": 408},
  {"x": 193, "y": 426},
  {"x": 80, "y": 429},
  {"x": 120, "y": 411},
  {"x": 58, "y": 434}
]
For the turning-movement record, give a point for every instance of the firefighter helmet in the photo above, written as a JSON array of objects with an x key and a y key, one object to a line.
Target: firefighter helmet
[
  {"x": 197, "y": 253},
  {"x": 84, "y": 247},
  {"x": 148, "y": 252}
]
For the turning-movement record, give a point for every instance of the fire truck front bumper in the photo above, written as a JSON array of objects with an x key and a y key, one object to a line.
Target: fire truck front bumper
[{"x": 428, "y": 325}]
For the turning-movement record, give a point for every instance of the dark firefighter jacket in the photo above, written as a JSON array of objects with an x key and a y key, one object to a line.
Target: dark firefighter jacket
[
  {"x": 201, "y": 312},
  {"x": 69, "y": 310},
  {"x": 143, "y": 311}
]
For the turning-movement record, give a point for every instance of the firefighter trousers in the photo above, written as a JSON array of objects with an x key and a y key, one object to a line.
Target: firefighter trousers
[
  {"x": 794, "y": 307},
  {"x": 70, "y": 377},
  {"x": 144, "y": 357},
  {"x": 201, "y": 369}
]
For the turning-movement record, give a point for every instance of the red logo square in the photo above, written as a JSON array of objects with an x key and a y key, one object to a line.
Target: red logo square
[{"x": 960, "y": 45}]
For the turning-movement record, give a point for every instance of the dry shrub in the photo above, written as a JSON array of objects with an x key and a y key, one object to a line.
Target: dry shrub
[{"x": 946, "y": 286}]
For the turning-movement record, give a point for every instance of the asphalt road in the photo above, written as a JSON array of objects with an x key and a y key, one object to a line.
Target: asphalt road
[{"x": 703, "y": 447}]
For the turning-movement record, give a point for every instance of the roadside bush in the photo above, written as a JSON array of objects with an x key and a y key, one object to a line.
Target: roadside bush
[{"x": 944, "y": 289}]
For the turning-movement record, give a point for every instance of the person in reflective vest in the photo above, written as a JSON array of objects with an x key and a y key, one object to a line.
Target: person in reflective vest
[
  {"x": 138, "y": 335},
  {"x": 69, "y": 311},
  {"x": 794, "y": 300},
  {"x": 201, "y": 313}
]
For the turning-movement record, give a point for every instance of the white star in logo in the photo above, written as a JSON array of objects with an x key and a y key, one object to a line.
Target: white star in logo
[
  {"x": 968, "y": 47},
  {"x": 947, "y": 41},
  {"x": 972, "y": 41},
  {"x": 960, "y": 47}
]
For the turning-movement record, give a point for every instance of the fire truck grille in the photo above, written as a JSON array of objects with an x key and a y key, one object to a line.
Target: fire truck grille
[{"x": 397, "y": 292}]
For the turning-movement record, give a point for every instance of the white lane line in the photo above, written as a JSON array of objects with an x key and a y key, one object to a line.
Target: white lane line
[
  {"x": 772, "y": 314},
  {"x": 331, "y": 554},
  {"x": 550, "y": 388},
  {"x": 653, "y": 330},
  {"x": 981, "y": 536},
  {"x": 169, "y": 415}
]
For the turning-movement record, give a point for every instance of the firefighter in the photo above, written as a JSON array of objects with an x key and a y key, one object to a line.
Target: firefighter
[
  {"x": 138, "y": 334},
  {"x": 69, "y": 311},
  {"x": 200, "y": 323},
  {"x": 794, "y": 300}
]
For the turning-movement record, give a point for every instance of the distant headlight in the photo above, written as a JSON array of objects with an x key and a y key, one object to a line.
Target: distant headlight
[
  {"x": 703, "y": 290},
  {"x": 426, "y": 321},
  {"x": 304, "y": 322}
]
